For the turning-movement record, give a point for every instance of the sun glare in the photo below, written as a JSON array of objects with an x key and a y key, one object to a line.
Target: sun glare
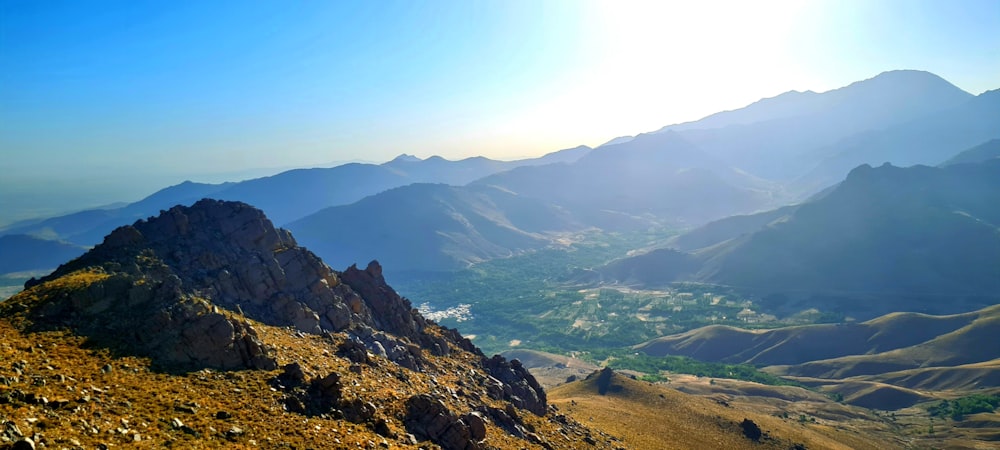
[{"x": 639, "y": 65}]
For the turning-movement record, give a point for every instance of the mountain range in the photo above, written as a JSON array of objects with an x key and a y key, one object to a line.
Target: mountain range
[
  {"x": 268, "y": 340},
  {"x": 889, "y": 362},
  {"x": 286, "y": 196},
  {"x": 769, "y": 154},
  {"x": 917, "y": 238},
  {"x": 433, "y": 227}
]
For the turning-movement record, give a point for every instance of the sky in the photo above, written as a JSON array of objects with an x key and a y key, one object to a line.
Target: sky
[{"x": 111, "y": 100}]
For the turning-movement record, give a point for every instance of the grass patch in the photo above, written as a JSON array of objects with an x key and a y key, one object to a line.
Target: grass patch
[
  {"x": 959, "y": 408},
  {"x": 653, "y": 366}
]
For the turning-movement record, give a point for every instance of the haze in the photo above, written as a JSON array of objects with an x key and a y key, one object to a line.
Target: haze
[{"x": 111, "y": 101}]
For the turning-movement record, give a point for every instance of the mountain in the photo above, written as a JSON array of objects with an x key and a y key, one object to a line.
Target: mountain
[
  {"x": 783, "y": 137},
  {"x": 628, "y": 408},
  {"x": 725, "y": 229},
  {"x": 901, "y": 231},
  {"x": 644, "y": 268},
  {"x": 909, "y": 357},
  {"x": 207, "y": 327},
  {"x": 287, "y": 196},
  {"x": 886, "y": 238},
  {"x": 20, "y": 253},
  {"x": 431, "y": 227},
  {"x": 88, "y": 227},
  {"x": 649, "y": 179},
  {"x": 927, "y": 140},
  {"x": 982, "y": 152}
]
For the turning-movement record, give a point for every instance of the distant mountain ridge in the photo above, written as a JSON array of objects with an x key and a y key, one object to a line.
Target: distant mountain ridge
[
  {"x": 23, "y": 253},
  {"x": 648, "y": 179},
  {"x": 783, "y": 137},
  {"x": 887, "y": 233},
  {"x": 286, "y": 196},
  {"x": 927, "y": 140},
  {"x": 982, "y": 152},
  {"x": 428, "y": 227},
  {"x": 771, "y": 153}
]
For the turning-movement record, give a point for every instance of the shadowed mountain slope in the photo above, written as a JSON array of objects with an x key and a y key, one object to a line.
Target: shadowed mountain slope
[
  {"x": 886, "y": 239},
  {"x": 927, "y": 140},
  {"x": 287, "y": 196},
  {"x": 982, "y": 152},
  {"x": 20, "y": 252},
  {"x": 432, "y": 227},
  {"x": 887, "y": 230},
  {"x": 652, "y": 178}
]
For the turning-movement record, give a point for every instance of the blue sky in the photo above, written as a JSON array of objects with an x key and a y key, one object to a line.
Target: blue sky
[{"x": 107, "y": 94}]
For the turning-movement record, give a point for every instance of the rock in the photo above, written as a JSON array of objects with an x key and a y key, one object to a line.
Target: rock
[
  {"x": 390, "y": 312},
  {"x": 381, "y": 427},
  {"x": 477, "y": 425},
  {"x": 223, "y": 415},
  {"x": 181, "y": 286},
  {"x": 234, "y": 433},
  {"x": 751, "y": 430},
  {"x": 354, "y": 350},
  {"x": 428, "y": 418},
  {"x": 292, "y": 375},
  {"x": 604, "y": 381},
  {"x": 23, "y": 444},
  {"x": 328, "y": 386},
  {"x": 518, "y": 385},
  {"x": 358, "y": 411}
]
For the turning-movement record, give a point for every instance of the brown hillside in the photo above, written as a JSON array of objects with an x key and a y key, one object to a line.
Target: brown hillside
[
  {"x": 969, "y": 344},
  {"x": 801, "y": 344},
  {"x": 651, "y": 416}
]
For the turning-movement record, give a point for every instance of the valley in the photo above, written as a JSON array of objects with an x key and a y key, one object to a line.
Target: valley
[
  {"x": 808, "y": 271},
  {"x": 537, "y": 301}
]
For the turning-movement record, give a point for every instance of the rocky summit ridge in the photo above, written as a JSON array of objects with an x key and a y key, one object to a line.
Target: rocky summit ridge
[{"x": 202, "y": 287}]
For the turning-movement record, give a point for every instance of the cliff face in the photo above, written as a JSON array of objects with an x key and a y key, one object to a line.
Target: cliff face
[{"x": 190, "y": 287}]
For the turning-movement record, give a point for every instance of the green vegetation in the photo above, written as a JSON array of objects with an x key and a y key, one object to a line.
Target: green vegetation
[
  {"x": 959, "y": 408},
  {"x": 655, "y": 365},
  {"x": 546, "y": 300}
]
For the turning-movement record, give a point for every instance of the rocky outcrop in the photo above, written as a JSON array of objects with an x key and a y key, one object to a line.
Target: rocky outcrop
[
  {"x": 208, "y": 266},
  {"x": 151, "y": 316},
  {"x": 184, "y": 287},
  {"x": 390, "y": 312},
  {"x": 429, "y": 419},
  {"x": 230, "y": 253},
  {"x": 515, "y": 384}
]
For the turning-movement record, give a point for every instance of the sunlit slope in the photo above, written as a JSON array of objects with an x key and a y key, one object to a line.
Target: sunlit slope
[
  {"x": 803, "y": 344},
  {"x": 648, "y": 416}
]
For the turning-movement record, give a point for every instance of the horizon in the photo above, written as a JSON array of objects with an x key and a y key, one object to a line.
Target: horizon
[{"x": 111, "y": 102}]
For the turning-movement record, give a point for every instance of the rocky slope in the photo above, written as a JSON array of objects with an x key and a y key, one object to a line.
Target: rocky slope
[{"x": 215, "y": 287}]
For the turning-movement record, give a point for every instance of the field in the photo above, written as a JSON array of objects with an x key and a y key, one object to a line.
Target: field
[{"x": 537, "y": 300}]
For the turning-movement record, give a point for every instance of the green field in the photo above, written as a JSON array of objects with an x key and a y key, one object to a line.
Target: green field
[{"x": 533, "y": 301}]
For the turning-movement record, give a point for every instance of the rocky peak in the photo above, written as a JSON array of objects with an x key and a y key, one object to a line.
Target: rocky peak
[{"x": 184, "y": 287}]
